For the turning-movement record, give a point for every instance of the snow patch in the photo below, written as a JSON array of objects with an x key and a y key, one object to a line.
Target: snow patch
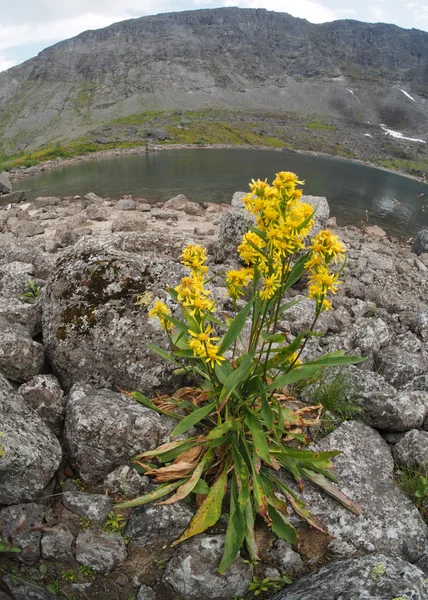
[
  {"x": 368, "y": 135},
  {"x": 408, "y": 95},
  {"x": 350, "y": 91},
  {"x": 400, "y": 136}
]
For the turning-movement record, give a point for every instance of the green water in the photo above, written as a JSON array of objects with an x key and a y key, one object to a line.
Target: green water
[{"x": 394, "y": 202}]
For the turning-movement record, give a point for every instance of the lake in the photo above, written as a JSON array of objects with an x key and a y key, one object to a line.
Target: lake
[{"x": 393, "y": 202}]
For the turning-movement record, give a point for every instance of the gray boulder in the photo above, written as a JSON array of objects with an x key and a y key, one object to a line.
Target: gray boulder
[
  {"x": 104, "y": 429},
  {"x": 237, "y": 200},
  {"x": 130, "y": 222},
  {"x": 374, "y": 577},
  {"x": 192, "y": 571},
  {"x": 57, "y": 543},
  {"x": 232, "y": 227},
  {"x": 27, "y": 539},
  {"x": 13, "y": 198},
  {"x": 145, "y": 593},
  {"x": 149, "y": 524},
  {"x": 94, "y": 507},
  {"x": 20, "y": 357},
  {"x": 412, "y": 450},
  {"x": 193, "y": 208},
  {"x": 389, "y": 522},
  {"x": 322, "y": 212},
  {"x": 25, "y": 591},
  {"x": 126, "y": 482},
  {"x": 285, "y": 559},
  {"x": 101, "y": 551},
  {"x": 420, "y": 245},
  {"x": 92, "y": 198},
  {"x": 5, "y": 185},
  {"x": 420, "y": 325},
  {"x": 30, "y": 452},
  {"x": 43, "y": 201},
  {"x": 382, "y": 405},
  {"x": 14, "y": 278},
  {"x": 44, "y": 395},
  {"x": 176, "y": 203},
  {"x": 399, "y": 366},
  {"x": 92, "y": 301},
  {"x": 126, "y": 204},
  {"x": 28, "y": 314},
  {"x": 96, "y": 213}
]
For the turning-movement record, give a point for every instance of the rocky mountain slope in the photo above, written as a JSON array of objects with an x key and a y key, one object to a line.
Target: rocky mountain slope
[{"x": 245, "y": 59}]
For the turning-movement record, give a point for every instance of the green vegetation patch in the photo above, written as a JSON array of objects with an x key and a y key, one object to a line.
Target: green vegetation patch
[{"x": 319, "y": 125}]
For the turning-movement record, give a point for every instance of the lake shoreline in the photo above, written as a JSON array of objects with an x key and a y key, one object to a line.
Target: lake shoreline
[{"x": 49, "y": 165}]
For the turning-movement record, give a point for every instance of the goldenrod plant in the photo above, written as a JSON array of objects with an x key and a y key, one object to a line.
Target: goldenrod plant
[{"x": 249, "y": 430}]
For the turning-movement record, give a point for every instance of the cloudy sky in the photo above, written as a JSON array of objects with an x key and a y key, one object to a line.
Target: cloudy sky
[{"x": 28, "y": 26}]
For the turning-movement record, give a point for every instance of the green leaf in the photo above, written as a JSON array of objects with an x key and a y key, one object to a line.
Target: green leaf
[
  {"x": 161, "y": 491},
  {"x": 273, "y": 338},
  {"x": 242, "y": 475},
  {"x": 260, "y": 445},
  {"x": 163, "y": 354},
  {"x": 210, "y": 510},
  {"x": 220, "y": 430},
  {"x": 6, "y": 547},
  {"x": 52, "y": 589},
  {"x": 43, "y": 569},
  {"x": 296, "y": 272},
  {"x": 173, "y": 293},
  {"x": 223, "y": 371},
  {"x": 201, "y": 488},
  {"x": 281, "y": 526},
  {"x": 260, "y": 233},
  {"x": 297, "y": 374},
  {"x": 235, "y": 327},
  {"x": 194, "y": 417},
  {"x": 235, "y": 532},
  {"x": 286, "y": 306},
  {"x": 142, "y": 399},
  {"x": 250, "y": 540},
  {"x": 267, "y": 413},
  {"x": 337, "y": 359},
  {"x": 239, "y": 375}
]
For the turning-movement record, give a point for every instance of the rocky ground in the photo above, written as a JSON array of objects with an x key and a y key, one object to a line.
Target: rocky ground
[{"x": 76, "y": 277}]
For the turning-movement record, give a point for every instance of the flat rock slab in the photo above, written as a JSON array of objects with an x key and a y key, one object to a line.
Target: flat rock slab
[
  {"x": 389, "y": 523},
  {"x": 374, "y": 577}
]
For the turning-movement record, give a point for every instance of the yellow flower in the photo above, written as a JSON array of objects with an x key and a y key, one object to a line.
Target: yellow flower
[
  {"x": 328, "y": 244},
  {"x": 161, "y": 312},
  {"x": 270, "y": 285},
  {"x": 198, "y": 348},
  {"x": 236, "y": 280},
  {"x": 204, "y": 334},
  {"x": 213, "y": 358}
]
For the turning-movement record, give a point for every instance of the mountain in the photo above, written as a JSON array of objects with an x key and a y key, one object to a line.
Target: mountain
[{"x": 241, "y": 59}]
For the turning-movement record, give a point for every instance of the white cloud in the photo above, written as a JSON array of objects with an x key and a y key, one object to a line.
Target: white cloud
[
  {"x": 29, "y": 33},
  {"x": 7, "y": 61}
]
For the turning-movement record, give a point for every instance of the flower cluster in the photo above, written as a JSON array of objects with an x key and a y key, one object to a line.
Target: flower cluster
[
  {"x": 161, "y": 312},
  {"x": 194, "y": 298},
  {"x": 283, "y": 221},
  {"x": 326, "y": 248}
]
